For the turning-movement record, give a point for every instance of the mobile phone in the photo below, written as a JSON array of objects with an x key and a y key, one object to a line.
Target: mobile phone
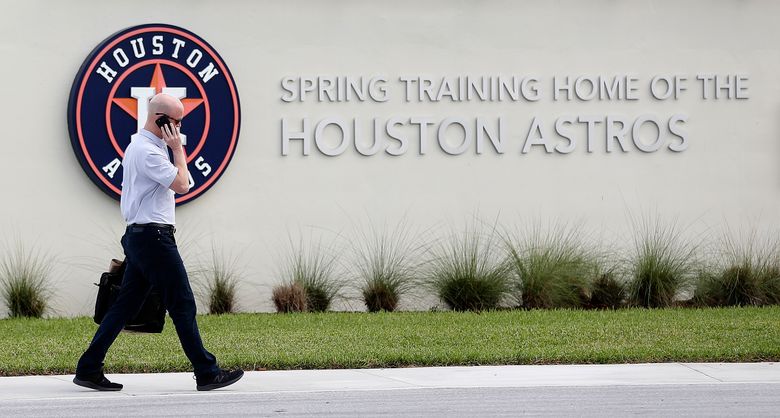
[{"x": 162, "y": 121}]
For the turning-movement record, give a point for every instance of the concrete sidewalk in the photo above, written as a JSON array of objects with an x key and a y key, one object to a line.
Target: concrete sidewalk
[{"x": 296, "y": 381}]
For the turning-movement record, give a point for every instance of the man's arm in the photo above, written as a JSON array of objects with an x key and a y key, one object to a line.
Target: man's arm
[{"x": 181, "y": 184}]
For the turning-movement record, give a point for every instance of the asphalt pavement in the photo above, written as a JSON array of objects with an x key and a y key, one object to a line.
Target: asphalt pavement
[{"x": 667, "y": 389}]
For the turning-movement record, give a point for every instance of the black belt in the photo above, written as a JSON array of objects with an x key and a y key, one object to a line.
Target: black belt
[{"x": 141, "y": 227}]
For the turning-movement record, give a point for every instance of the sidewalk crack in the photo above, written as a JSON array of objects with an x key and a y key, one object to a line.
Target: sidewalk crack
[
  {"x": 394, "y": 379},
  {"x": 700, "y": 372}
]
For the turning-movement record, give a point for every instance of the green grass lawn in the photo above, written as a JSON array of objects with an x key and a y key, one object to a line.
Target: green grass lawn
[{"x": 358, "y": 340}]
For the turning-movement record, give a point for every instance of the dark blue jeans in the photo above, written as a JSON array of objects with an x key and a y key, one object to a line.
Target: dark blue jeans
[{"x": 152, "y": 259}]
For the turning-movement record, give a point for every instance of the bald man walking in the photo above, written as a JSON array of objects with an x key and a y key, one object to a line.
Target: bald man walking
[{"x": 147, "y": 203}]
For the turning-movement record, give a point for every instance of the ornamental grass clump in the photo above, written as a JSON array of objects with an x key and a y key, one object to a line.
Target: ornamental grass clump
[
  {"x": 737, "y": 285},
  {"x": 313, "y": 268},
  {"x": 216, "y": 283},
  {"x": 220, "y": 280},
  {"x": 24, "y": 282},
  {"x": 553, "y": 267},
  {"x": 770, "y": 284},
  {"x": 607, "y": 292},
  {"x": 385, "y": 266},
  {"x": 468, "y": 271},
  {"x": 661, "y": 266},
  {"x": 745, "y": 273},
  {"x": 289, "y": 298}
]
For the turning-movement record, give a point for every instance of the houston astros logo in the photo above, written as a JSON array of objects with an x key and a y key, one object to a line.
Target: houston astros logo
[{"x": 110, "y": 97}]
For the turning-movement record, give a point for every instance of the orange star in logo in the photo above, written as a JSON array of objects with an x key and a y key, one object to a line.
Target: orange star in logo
[{"x": 130, "y": 105}]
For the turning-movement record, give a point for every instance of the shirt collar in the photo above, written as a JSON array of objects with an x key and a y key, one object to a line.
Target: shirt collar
[{"x": 152, "y": 137}]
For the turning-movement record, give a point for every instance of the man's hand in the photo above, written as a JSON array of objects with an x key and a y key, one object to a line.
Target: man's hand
[{"x": 171, "y": 136}]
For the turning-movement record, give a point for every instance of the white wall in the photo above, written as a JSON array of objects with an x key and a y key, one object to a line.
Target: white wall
[{"x": 730, "y": 172}]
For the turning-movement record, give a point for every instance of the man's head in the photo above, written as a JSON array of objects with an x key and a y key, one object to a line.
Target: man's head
[{"x": 163, "y": 104}]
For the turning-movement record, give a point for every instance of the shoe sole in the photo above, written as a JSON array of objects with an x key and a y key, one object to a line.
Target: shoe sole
[
  {"x": 90, "y": 385},
  {"x": 219, "y": 385}
]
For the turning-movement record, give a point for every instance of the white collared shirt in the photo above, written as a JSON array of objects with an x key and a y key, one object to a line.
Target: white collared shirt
[{"x": 147, "y": 177}]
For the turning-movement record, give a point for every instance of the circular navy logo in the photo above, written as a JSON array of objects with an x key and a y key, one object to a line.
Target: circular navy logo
[{"x": 110, "y": 97}]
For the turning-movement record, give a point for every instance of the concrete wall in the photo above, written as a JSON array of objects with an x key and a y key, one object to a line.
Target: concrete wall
[{"x": 729, "y": 172}]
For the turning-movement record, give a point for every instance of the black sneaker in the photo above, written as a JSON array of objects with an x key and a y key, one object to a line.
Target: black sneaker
[
  {"x": 222, "y": 379},
  {"x": 97, "y": 381}
]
